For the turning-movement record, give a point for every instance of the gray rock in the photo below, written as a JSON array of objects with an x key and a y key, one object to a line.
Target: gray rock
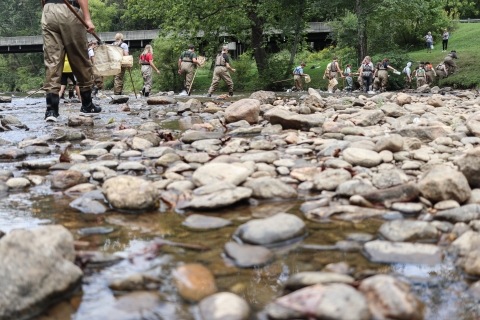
[
  {"x": 392, "y": 143},
  {"x": 12, "y": 153},
  {"x": 408, "y": 230},
  {"x": 218, "y": 172},
  {"x": 464, "y": 213},
  {"x": 473, "y": 124},
  {"x": 94, "y": 152},
  {"x": 310, "y": 278},
  {"x": 181, "y": 186},
  {"x": 224, "y": 306},
  {"x": 425, "y": 134},
  {"x": 88, "y": 206},
  {"x": 367, "y": 118},
  {"x": 140, "y": 144},
  {"x": 160, "y": 100},
  {"x": 407, "y": 207},
  {"x": 393, "y": 110},
  {"x": 219, "y": 199},
  {"x": 244, "y": 109},
  {"x": 193, "y": 136},
  {"x": 446, "y": 204},
  {"x": 67, "y": 178},
  {"x": 403, "y": 252},
  {"x": 290, "y": 120},
  {"x": 130, "y": 193},
  {"x": 268, "y": 157},
  {"x": 272, "y": 230},
  {"x": 470, "y": 166},
  {"x": 265, "y": 97},
  {"x": 389, "y": 178},
  {"x": 361, "y": 157},
  {"x": 269, "y": 188},
  {"x": 119, "y": 99},
  {"x": 354, "y": 187},
  {"x": 37, "y": 269},
  {"x": 5, "y": 99},
  {"x": 18, "y": 183},
  {"x": 193, "y": 105},
  {"x": 131, "y": 165},
  {"x": 332, "y": 148},
  {"x": 201, "y": 222},
  {"x": 444, "y": 183},
  {"x": 247, "y": 256},
  {"x": 389, "y": 298},
  {"x": 37, "y": 150},
  {"x": 330, "y": 179}
]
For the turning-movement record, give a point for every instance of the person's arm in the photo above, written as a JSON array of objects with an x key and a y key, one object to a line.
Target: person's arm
[
  {"x": 179, "y": 63},
  {"x": 228, "y": 67},
  {"x": 92, "y": 58},
  {"x": 86, "y": 15},
  {"x": 152, "y": 64},
  {"x": 390, "y": 67},
  {"x": 196, "y": 62},
  {"x": 339, "y": 70}
]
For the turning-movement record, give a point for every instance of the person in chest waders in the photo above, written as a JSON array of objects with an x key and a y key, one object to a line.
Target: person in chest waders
[
  {"x": 186, "y": 66},
  {"x": 118, "y": 80},
  {"x": 62, "y": 33},
  {"x": 222, "y": 65},
  {"x": 429, "y": 73},
  {"x": 97, "y": 80},
  {"x": 383, "y": 74},
  {"x": 146, "y": 60},
  {"x": 297, "y": 76}
]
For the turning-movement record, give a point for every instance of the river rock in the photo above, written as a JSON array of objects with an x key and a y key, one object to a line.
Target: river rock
[
  {"x": 354, "y": 187},
  {"x": 219, "y": 199},
  {"x": 244, "y": 109},
  {"x": 224, "y": 306},
  {"x": 389, "y": 178},
  {"x": 334, "y": 302},
  {"x": 464, "y": 213},
  {"x": 160, "y": 100},
  {"x": 425, "y": 134},
  {"x": 268, "y": 188},
  {"x": 473, "y": 124},
  {"x": 290, "y": 120},
  {"x": 76, "y": 121},
  {"x": 408, "y": 230},
  {"x": 194, "y": 282},
  {"x": 330, "y": 179},
  {"x": 392, "y": 143},
  {"x": 201, "y": 222},
  {"x": 157, "y": 152},
  {"x": 389, "y": 298},
  {"x": 193, "y": 136},
  {"x": 89, "y": 206},
  {"x": 192, "y": 105},
  {"x": 5, "y": 99},
  {"x": 119, "y": 99},
  {"x": 37, "y": 269},
  {"x": 404, "y": 192},
  {"x": 403, "y": 98},
  {"x": 403, "y": 252},
  {"x": 130, "y": 193},
  {"x": 470, "y": 166},
  {"x": 444, "y": 183},
  {"x": 67, "y": 178},
  {"x": 40, "y": 163},
  {"x": 309, "y": 278},
  {"x": 269, "y": 231},
  {"x": 366, "y": 118},
  {"x": 361, "y": 157},
  {"x": 247, "y": 256},
  {"x": 12, "y": 153},
  {"x": 140, "y": 144},
  {"x": 17, "y": 183},
  {"x": 216, "y": 172},
  {"x": 265, "y": 97}
]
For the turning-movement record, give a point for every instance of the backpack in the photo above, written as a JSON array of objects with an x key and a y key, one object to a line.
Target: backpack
[
  {"x": 420, "y": 72},
  {"x": 427, "y": 68}
]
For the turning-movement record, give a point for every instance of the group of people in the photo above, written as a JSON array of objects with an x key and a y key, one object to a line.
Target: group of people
[{"x": 429, "y": 41}]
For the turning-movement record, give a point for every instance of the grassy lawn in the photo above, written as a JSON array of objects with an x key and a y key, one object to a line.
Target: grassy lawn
[{"x": 465, "y": 41}]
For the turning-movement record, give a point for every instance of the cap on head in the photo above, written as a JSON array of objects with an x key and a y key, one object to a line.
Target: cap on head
[
  {"x": 224, "y": 48},
  {"x": 191, "y": 46}
]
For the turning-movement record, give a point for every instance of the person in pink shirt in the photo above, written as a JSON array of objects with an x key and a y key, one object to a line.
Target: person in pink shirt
[{"x": 146, "y": 60}]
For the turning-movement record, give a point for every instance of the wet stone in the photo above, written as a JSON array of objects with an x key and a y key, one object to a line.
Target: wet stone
[
  {"x": 67, "y": 178},
  {"x": 268, "y": 188},
  {"x": 95, "y": 230},
  {"x": 194, "y": 282},
  {"x": 305, "y": 279},
  {"x": 89, "y": 206},
  {"x": 130, "y": 193},
  {"x": 403, "y": 252},
  {"x": 12, "y": 153},
  {"x": 408, "y": 230},
  {"x": 247, "y": 256},
  {"x": 219, "y": 199},
  {"x": 201, "y": 222},
  {"x": 18, "y": 183},
  {"x": 407, "y": 207},
  {"x": 224, "y": 306}
]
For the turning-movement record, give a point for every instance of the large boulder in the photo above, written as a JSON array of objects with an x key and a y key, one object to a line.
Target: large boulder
[
  {"x": 403, "y": 98},
  {"x": 444, "y": 183},
  {"x": 473, "y": 124},
  {"x": 469, "y": 165},
  {"x": 245, "y": 109},
  {"x": 217, "y": 172},
  {"x": 389, "y": 298},
  {"x": 291, "y": 120},
  {"x": 265, "y": 97},
  {"x": 130, "y": 193},
  {"x": 269, "y": 231},
  {"x": 37, "y": 269},
  {"x": 393, "y": 142}
]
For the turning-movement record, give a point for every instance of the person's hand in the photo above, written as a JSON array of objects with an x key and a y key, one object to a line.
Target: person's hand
[
  {"x": 158, "y": 71},
  {"x": 233, "y": 70},
  {"x": 90, "y": 27},
  {"x": 323, "y": 76},
  {"x": 179, "y": 71}
]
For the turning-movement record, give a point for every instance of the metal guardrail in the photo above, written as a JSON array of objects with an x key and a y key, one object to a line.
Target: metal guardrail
[
  {"x": 314, "y": 27},
  {"x": 468, "y": 20}
]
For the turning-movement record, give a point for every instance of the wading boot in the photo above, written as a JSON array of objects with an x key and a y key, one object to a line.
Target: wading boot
[
  {"x": 87, "y": 105},
  {"x": 70, "y": 94},
  {"x": 230, "y": 94},
  {"x": 146, "y": 94},
  {"x": 52, "y": 107},
  {"x": 143, "y": 92},
  {"x": 94, "y": 91}
]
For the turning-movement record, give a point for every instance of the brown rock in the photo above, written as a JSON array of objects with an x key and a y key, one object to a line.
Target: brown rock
[
  {"x": 68, "y": 178},
  {"x": 194, "y": 282},
  {"x": 245, "y": 109},
  {"x": 401, "y": 193},
  {"x": 444, "y": 183}
]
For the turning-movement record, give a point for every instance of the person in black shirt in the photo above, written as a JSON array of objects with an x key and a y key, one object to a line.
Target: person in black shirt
[{"x": 222, "y": 65}]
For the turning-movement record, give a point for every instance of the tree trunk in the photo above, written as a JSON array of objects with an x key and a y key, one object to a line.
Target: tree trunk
[
  {"x": 361, "y": 33},
  {"x": 257, "y": 38}
]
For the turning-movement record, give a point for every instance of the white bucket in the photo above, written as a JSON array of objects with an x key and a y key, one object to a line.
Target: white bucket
[{"x": 108, "y": 60}]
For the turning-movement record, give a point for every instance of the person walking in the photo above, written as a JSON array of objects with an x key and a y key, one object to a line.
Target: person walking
[
  {"x": 420, "y": 74},
  {"x": 146, "y": 60},
  {"x": 366, "y": 72},
  {"x": 445, "y": 38},
  {"x": 62, "y": 33},
  {"x": 332, "y": 74},
  {"x": 408, "y": 75},
  {"x": 297, "y": 76},
  {"x": 450, "y": 65},
  {"x": 222, "y": 65},
  {"x": 118, "y": 80},
  {"x": 429, "y": 42},
  {"x": 383, "y": 74},
  {"x": 430, "y": 74},
  {"x": 186, "y": 66},
  {"x": 97, "y": 80},
  {"x": 348, "y": 77},
  {"x": 68, "y": 74}
]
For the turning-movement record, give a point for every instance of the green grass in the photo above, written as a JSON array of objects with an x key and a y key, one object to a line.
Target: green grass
[{"x": 465, "y": 41}]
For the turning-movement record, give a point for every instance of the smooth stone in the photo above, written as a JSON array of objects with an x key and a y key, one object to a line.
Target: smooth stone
[
  {"x": 18, "y": 183},
  {"x": 219, "y": 199},
  {"x": 403, "y": 252},
  {"x": 408, "y": 230},
  {"x": 444, "y": 183},
  {"x": 89, "y": 206},
  {"x": 67, "y": 179},
  {"x": 446, "y": 204},
  {"x": 201, "y": 222},
  {"x": 157, "y": 152},
  {"x": 130, "y": 193},
  {"x": 247, "y": 256},
  {"x": 224, "y": 306},
  {"x": 269, "y": 188},
  {"x": 218, "y": 172},
  {"x": 464, "y": 213},
  {"x": 407, "y": 207},
  {"x": 193, "y": 136},
  {"x": 309, "y": 278},
  {"x": 194, "y": 282},
  {"x": 95, "y": 230},
  {"x": 361, "y": 157},
  {"x": 131, "y": 165},
  {"x": 38, "y": 164},
  {"x": 330, "y": 179},
  {"x": 267, "y": 157}
]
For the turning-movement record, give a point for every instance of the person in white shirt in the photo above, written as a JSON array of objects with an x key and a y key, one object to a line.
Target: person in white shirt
[{"x": 118, "y": 80}]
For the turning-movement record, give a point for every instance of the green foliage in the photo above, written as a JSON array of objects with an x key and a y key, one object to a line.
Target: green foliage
[
  {"x": 102, "y": 14},
  {"x": 165, "y": 56},
  {"x": 246, "y": 75}
]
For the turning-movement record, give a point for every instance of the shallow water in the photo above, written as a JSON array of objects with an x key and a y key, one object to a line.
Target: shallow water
[{"x": 442, "y": 288}]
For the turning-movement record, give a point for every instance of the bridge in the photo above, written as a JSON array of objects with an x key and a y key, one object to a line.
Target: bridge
[{"x": 136, "y": 39}]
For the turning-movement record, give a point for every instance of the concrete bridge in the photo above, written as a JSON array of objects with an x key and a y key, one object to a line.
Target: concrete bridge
[{"x": 317, "y": 31}]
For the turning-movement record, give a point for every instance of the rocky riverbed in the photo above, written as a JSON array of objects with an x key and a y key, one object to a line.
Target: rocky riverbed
[{"x": 265, "y": 206}]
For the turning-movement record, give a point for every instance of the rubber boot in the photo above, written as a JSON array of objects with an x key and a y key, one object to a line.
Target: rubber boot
[
  {"x": 146, "y": 94},
  {"x": 52, "y": 107},
  {"x": 143, "y": 92},
  {"x": 87, "y": 104},
  {"x": 70, "y": 94},
  {"x": 94, "y": 91},
  {"x": 230, "y": 94}
]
